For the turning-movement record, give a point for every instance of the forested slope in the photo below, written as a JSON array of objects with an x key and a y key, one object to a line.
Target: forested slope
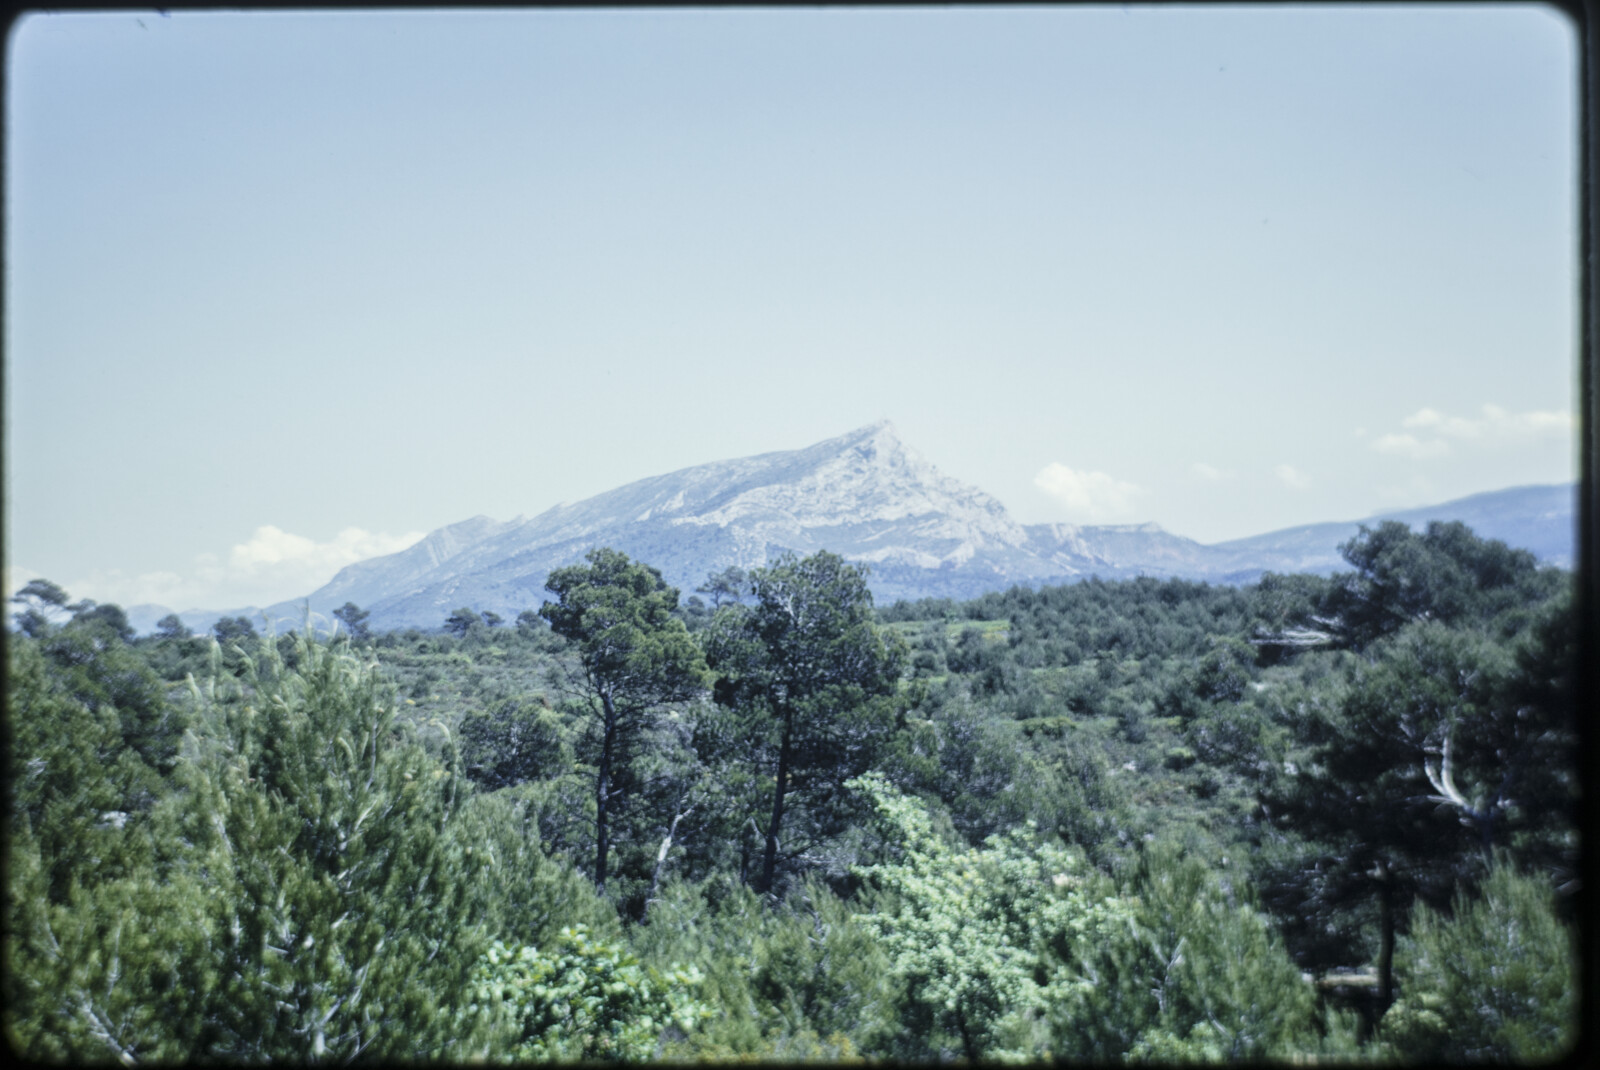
[{"x": 1139, "y": 819}]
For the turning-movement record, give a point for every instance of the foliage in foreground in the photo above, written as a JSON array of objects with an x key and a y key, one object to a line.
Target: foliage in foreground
[
  {"x": 1018, "y": 951},
  {"x": 1036, "y": 824},
  {"x": 293, "y": 895},
  {"x": 1495, "y": 982},
  {"x": 797, "y": 978},
  {"x": 583, "y": 998}
]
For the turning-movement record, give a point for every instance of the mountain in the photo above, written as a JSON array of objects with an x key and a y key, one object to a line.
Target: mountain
[
  {"x": 867, "y": 496},
  {"x": 1542, "y": 519}
]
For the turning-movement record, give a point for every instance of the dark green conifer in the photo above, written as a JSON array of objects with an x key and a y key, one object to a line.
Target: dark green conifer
[{"x": 344, "y": 926}]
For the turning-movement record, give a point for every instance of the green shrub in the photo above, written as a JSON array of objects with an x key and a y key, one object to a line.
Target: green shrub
[
  {"x": 584, "y": 999},
  {"x": 1496, "y": 982}
]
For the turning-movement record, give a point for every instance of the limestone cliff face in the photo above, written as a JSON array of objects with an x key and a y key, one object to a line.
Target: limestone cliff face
[{"x": 865, "y": 495}]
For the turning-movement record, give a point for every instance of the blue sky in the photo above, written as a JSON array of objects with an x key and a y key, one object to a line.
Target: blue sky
[{"x": 288, "y": 290}]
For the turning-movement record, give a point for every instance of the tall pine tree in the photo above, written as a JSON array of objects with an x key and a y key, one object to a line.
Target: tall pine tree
[
  {"x": 633, "y": 656},
  {"x": 812, "y": 673}
]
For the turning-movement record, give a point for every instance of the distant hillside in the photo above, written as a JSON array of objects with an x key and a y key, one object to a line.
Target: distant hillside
[
  {"x": 865, "y": 495},
  {"x": 1541, "y": 519}
]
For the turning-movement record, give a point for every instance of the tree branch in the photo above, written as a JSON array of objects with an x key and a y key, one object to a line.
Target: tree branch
[{"x": 1441, "y": 778}]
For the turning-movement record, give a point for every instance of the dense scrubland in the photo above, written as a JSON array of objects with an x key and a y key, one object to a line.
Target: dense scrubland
[{"x": 1305, "y": 819}]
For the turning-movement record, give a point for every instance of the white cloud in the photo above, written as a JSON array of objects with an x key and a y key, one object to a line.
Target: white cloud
[
  {"x": 114, "y": 585},
  {"x": 273, "y": 548},
  {"x": 1087, "y": 495},
  {"x": 1292, "y": 477},
  {"x": 1495, "y": 427},
  {"x": 1431, "y": 419},
  {"x": 276, "y": 560},
  {"x": 1208, "y": 472},
  {"x": 271, "y": 566}
]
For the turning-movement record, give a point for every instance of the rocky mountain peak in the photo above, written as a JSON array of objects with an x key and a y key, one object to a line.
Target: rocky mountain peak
[
  {"x": 866, "y": 477},
  {"x": 875, "y": 440},
  {"x": 865, "y": 495}
]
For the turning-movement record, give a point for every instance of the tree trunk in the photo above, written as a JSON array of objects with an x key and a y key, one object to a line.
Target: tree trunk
[
  {"x": 1385, "y": 939},
  {"x": 967, "y": 1044},
  {"x": 769, "y": 864},
  {"x": 661, "y": 857},
  {"x": 601, "y": 791}
]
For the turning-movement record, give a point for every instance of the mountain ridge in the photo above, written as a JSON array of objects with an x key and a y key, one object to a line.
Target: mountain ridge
[{"x": 866, "y": 495}]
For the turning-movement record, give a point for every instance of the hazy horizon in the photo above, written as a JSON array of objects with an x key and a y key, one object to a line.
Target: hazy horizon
[{"x": 286, "y": 291}]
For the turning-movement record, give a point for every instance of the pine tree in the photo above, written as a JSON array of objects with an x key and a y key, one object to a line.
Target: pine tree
[
  {"x": 1198, "y": 975},
  {"x": 633, "y": 656},
  {"x": 354, "y": 618},
  {"x": 1496, "y": 981},
  {"x": 521, "y": 894},
  {"x": 813, "y": 676},
  {"x": 1444, "y": 574},
  {"x": 1444, "y": 745},
  {"x": 344, "y": 928},
  {"x": 107, "y": 930}
]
